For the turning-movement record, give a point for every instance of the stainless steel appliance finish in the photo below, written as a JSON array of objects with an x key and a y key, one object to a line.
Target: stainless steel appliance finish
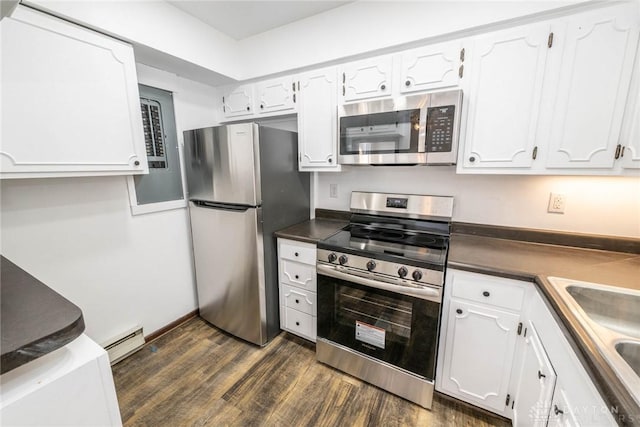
[
  {"x": 243, "y": 185},
  {"x": 380, "y": 291},
  {"x": 410, "y": 130}
]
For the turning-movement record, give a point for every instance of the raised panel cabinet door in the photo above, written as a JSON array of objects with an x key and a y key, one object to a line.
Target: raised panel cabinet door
[
  {"x": 561, "y": 411},
  {"x": 432, "y": 67},
  {"x": 536, "y": 382},
  {"x": 70, "y": 102},
  {"x": 478, "y": 354},
  {"x": 277, "y": 95},
  {"x": 370, "y": 78},
  {"x": 597, "y": 51},
  {"x": 630, "y": 140},
  {"x": 237, "y": 101},
  {"x": 504, "y": 97},
  {"x": 318, "y": 120}
]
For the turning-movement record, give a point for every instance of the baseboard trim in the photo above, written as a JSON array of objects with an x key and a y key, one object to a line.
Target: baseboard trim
[{"x": 156, "y": 334}]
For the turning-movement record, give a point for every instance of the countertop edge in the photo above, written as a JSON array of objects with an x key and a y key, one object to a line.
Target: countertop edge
[{"x": 611, "y": 389}]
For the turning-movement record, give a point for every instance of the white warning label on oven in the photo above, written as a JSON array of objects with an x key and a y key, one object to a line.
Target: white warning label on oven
[{"x": 370, "y": 334}]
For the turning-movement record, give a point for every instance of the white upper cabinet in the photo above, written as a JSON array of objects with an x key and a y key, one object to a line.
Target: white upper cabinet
[
  {"x": 237, "y": 101},
  {"x": 503, "y": 97},
  {"x": 630, "y": 140},
  {"x": 431, "y": 67},
  {"x": 318, "y": 120},
  {"x": 276, "y": 96},
  {"x": 70, "y": 103},
  {"x": 370, "y": 78},
  {"x": 597, "y": 52}
]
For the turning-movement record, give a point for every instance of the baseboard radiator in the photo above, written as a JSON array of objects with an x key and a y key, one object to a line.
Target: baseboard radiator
[{"x": 124, "y": 344}]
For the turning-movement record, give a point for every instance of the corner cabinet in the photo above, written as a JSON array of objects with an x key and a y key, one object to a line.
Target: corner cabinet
[
  {"x": 318, "y": 120},
  {"x": 297, "y": 282},
  {"x": 70, "y": 103}
]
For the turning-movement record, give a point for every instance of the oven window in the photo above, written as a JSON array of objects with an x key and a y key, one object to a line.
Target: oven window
[
  {"x": 379, "y": 133},
  {"x": 397, "y": 329}
]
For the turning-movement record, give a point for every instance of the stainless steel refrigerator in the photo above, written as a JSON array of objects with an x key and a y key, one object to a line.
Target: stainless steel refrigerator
[{"x": 243, "y": 185}]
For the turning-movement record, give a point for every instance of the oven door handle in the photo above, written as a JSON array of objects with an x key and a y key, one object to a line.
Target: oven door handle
[{"x": 426, "y": 293}]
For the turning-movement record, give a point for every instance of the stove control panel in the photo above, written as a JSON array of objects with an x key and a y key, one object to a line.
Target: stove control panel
[{"x": 365, "y": 265}]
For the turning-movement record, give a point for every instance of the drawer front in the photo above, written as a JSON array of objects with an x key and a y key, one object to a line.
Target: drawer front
[
  {"x": 298, "y": 299},
  {"x": 297, "y": 274},
  {"x": 297, "y": 251},
  {"x": 300, "y": 323},
  {"x": 495, "y": 291}
]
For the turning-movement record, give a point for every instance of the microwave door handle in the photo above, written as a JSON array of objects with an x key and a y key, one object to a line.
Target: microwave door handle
[{"x": 426, "y": 293}]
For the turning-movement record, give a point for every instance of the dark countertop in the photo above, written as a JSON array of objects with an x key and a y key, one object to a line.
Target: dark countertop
[
  {"x": 34, "y": 319},
  {"x": 313, "y": 230},
  {"x": 535, "y": 262}
]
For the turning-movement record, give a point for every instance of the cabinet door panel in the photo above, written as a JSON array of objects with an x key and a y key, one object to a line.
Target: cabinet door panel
[
  {"x": 317, "y": 120},
  {"x": 479, "y": 349},
  {"x": 504, "y": 97},
  {"x": 366, "y": 79},
  {"x": 238, "y": 101},
  {"x": 70, "y": 103},
  {"x": 561, "y": 413},
  {"x": 536, "y": 383},
  {"x": 631, "y": 132},
  {"x": 431, "y": 67},
  {"x": 277, "y": 95},
  {"x": 597, "y": 59}
]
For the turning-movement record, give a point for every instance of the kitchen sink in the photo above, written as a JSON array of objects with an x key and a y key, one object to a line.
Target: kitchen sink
[{"x": 611, "y": 317}]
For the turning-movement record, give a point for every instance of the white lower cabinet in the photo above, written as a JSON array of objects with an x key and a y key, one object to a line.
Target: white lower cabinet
[
  {"x": 502, "y": 350},
  {"x": 297, "y": 282}
]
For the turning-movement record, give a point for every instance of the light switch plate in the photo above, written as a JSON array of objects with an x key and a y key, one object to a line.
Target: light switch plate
[{"x": 333, "y": 191}]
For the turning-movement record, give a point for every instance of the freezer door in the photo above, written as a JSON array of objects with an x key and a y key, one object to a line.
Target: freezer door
[
  {"x": 222, "y": 164},
  {"x": 229, "y": 263}
]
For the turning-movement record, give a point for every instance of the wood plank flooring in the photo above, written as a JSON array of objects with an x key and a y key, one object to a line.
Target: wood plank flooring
[{"x": 197, "y": 375}]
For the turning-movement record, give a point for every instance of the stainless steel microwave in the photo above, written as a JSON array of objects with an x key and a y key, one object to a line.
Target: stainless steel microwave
[{"x": 411, "y": 130}]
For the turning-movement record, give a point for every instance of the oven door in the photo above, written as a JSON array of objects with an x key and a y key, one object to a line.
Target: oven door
[{"x": 395, "y": 328}]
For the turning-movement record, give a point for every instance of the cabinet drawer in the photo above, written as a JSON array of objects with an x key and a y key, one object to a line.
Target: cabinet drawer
[
  {"x": 298, "y": 299},
  {"x": 297, "y": 251},
  {"x": 297, "y": 274},
  {"x": 497, "y": 292},
  {"x": 299, "y": 323}
]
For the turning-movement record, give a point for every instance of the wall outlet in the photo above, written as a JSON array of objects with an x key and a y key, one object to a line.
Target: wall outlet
[
  {"x": 556, "y": 203},
  {"x": 333, "y": 191}
]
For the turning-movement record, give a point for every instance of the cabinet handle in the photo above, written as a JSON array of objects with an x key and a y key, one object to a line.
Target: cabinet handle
[
  {"x": 461, "y": 71},
  {"x": 618, "y": 148},
  {"x": 459, "y": 311},
  {"x": 486, "y": 293},
  {"x": 472, "y": 159},
  {"x": 541, "y": 375},
  {"x": 535, "y": 152},
  {"x": 297, "y": 323},
  {"x": 296, "y": 254},
  {"x": 407, "y": 83},
  {"x": 383, "y": 87},
  {"x": 297, "y": 277},
  {"x": 297, "y": 301},
  {"x": 248, "y": 108},
  {"x": 137, "y": 163},
  {"x": 329, "y": 160},
  {"x": 557, "y": 410},
  {"x": 261, "y": 106}
]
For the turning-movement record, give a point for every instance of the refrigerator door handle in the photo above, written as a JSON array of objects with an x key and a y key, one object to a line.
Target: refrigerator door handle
[{"x": 221, "y": 206}]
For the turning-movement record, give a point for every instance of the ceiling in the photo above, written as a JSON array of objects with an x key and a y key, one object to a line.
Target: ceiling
[{"x": 241, "y": 19}]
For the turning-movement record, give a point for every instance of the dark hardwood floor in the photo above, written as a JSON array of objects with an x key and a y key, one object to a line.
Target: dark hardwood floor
[{"x": 196, "y": 375}]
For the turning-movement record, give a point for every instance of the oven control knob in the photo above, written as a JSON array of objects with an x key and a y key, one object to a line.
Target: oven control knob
[
  {"x": 343, "y": 259},
  {"x": 417, "y": 275},
  {"x": 371, "y": 265},
  {"x": 402, "y": 272},
  {"x": 332, "y": 257}
]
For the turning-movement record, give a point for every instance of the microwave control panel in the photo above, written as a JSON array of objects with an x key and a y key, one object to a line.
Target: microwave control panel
[{"x": 440, "y": 122}]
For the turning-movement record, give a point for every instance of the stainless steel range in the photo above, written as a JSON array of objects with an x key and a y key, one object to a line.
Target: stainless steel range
[{"x": 380, "y": 290}]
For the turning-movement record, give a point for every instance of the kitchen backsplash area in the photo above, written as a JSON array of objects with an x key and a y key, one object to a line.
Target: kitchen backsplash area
[{"x": 594, "y": 205}]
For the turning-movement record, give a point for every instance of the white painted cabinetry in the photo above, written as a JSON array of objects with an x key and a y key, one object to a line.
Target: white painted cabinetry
[
  {"x": 318, "y": 120},
  {"x": 70, "y": 103},
  {"x": 71, "y": 386},
  {"x": 276, "y": 96},
  {"x": 297, "y": 279},
  {"x": 237, "y": 101},
  {"x": 431, "y": 67},
  {"x": 503, "y": 96},
  {"x": 370, "y": 78},
  {"x": 480, "y": 320},
  {"x": 590, "y": 84}
]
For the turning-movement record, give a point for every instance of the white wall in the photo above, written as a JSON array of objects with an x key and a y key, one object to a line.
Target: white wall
[
  {"x": 77, "y": 235},
  {"x": 595, "y": 205}
]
